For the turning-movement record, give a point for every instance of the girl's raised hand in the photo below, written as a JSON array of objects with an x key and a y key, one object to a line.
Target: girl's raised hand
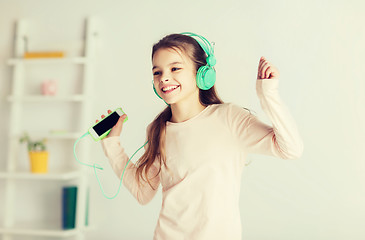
[
  {"x": 117, "y": 129},
  {"x": 267, "y": 70}
]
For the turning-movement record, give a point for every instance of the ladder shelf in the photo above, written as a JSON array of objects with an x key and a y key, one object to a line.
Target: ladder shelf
[{"x": 13, "y": 175}]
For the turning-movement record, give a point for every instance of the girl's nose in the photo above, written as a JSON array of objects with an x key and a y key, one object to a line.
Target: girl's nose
[{"x": 164, "y": 78}]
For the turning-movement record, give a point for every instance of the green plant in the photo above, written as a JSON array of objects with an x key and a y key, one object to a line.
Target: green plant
[{"x": 33, "y": 145}]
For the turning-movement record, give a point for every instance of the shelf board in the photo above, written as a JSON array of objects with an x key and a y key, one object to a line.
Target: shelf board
[
  {"x": 52, "y": 231},
  {"x": 34, "y": 232},
  {"x": 67, "y": 60},
  {"x": 66, "y": 135},
  {"x": 52, "y": 175},
  {"x": 54, "y": 135},
  {"x": 48, "y": 228},
  {"x": 44, "y": 98}
]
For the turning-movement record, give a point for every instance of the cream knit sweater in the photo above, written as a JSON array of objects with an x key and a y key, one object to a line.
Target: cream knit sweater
[{"x": 205, "y": 156}]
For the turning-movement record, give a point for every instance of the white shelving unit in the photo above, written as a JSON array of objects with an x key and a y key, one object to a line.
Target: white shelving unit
[{"x": 12, "y": 175}]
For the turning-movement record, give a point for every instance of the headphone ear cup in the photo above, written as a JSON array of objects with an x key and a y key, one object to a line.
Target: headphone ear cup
[
  {"x": 154, "y": 89},
  {"x": 205, "y": 77}
]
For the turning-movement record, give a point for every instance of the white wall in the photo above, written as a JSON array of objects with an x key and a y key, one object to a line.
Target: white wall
[{"x": 318, "y": 47}]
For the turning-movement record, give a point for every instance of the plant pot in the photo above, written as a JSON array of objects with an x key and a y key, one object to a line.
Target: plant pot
[{"x": 38, "y": 161}]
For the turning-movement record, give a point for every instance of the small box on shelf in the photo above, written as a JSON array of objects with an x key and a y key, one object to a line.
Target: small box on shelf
[{"x": 56, "y": 54}]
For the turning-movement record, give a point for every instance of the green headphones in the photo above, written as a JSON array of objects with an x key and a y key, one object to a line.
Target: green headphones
[{"x": 205, "y": 77}]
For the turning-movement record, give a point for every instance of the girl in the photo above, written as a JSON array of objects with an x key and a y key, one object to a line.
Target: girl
[{"x": 198, "y": 145}]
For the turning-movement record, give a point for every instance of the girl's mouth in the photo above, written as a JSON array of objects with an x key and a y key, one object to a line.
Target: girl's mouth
[{"x": 169, "y": 89}]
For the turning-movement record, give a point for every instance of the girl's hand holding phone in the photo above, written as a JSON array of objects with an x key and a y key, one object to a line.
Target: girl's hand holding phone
[
  {"x": 266, "y": 70},
  {"x": 117, "y": 129}
]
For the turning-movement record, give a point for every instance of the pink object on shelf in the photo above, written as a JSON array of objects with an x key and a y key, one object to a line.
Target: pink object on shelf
[{"x": 49, "y": 87}]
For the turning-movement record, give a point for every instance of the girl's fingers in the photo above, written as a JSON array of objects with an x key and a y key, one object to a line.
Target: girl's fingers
[
  {"x": 260, "y": 67},
  {"x": 117, "y": 129},
  {"x": 267, "y": 72},
  {"x": 103, "y": 116},
  {"x": 264, "y": 67},
  {"x": 121, "y": 121}
]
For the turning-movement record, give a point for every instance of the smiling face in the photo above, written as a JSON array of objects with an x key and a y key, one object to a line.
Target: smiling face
[{"x": 174, "y": 76}]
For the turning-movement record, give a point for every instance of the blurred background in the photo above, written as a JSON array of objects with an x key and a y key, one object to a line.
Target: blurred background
[{"x": 318, "y": 47}]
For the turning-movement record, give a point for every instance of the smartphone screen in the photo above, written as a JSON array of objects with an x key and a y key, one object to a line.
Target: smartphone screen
[{"x": 106, "y": 124}]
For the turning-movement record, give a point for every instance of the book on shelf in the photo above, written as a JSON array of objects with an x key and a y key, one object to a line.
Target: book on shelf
[
  {"x": 69, "y": 203},
  {"x": 69, "y": 198}
]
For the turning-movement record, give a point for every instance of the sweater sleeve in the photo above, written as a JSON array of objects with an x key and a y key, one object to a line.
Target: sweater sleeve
[
  {"x": 118, "y": 159},
  {"x": 282, "y": 139}
]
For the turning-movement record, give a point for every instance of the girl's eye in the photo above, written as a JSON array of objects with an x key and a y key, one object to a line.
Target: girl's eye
[{"x": 172, "y": 69}]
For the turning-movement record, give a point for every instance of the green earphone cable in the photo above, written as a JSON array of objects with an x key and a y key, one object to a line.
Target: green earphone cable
[
  {"x": 75, "y": 152},
  {"x": 97, "y": 166}
]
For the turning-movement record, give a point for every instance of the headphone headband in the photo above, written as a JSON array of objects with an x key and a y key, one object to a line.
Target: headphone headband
[{"x": 207, "y": 47}]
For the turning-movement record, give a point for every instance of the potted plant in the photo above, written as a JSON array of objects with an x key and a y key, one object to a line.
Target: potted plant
[{"x": 38, "y": 154}]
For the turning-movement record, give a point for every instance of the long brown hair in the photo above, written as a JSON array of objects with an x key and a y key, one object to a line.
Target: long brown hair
[{"x": 155, "y": 150}]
